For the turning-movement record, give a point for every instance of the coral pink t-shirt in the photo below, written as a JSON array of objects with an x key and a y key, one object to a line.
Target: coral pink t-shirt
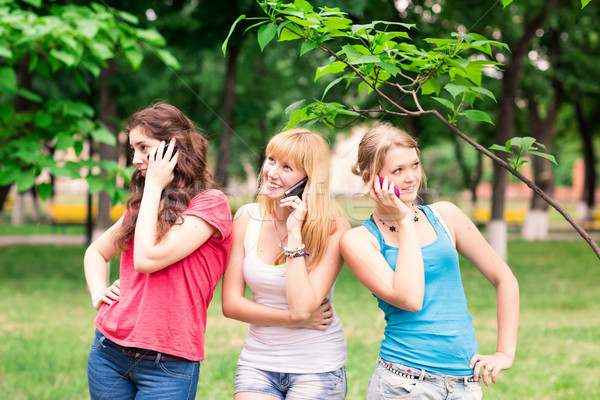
[{"x": 165, "y": 311}]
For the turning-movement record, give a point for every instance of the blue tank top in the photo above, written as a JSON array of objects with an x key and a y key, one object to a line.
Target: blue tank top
[{"x": 440, "y": 337}]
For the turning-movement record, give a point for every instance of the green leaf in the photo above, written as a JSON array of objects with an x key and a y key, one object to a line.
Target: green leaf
[
  {"x": 35, "y": 3},
  {"x": 294, "y": 106},
  {"x": 354, "y": 56},
  {"x": 290, "y": 32},
  {"x": 303, "y": 5},
  {"x": 101, "y": 50},
  {"x": 505, "y": 3},
  {"x": 29, "y": 95},
  {"x": 25, "y": 180},
  {"x": 547, "y": 156},
  {"x": 66, "y": 58},
  {"x": 87, "y": 28},
  {"x": 8, "y": 80},
  {"x": 129, "y": 18},
  {"x": 455, "y": 90},
  {"x": 44, "y": 190},
  {"x": 94, "y": 183},
  {"x": 389, "y": 68},
  {"x": 224, "y": 45},
  {"x": 103, "y": 135},
  {"x": 333, "y": 68},
  {"x": 339, "y": 23},
  {"x": 168, "y": 58},
  {"x": 430, "y": 86},
  {"x": 266, "y": 33},
  {"x": 332, "y": 84},
  {"x": 64, "y": 141},
  {"x": 134, "y": 57},
  {"x": 444, "y": 102},
  {"x": 524, "y": 143},
  {"x": 476, "y": 115},
  {"x": 584, "y": 3},
  {"x": 5, "y": 52},
  {"x": 92, "y": 67},
  {"x": 307, "y": 46},
  {"x": 151, "y": 36},
  {"x": 499, "y": 148},
  {"x": 43, "y": 119}
]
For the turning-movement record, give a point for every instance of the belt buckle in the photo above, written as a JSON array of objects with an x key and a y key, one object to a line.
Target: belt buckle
[{"x": 130, "y": 353}]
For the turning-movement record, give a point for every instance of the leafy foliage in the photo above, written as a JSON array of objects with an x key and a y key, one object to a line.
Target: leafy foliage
[
  {"x": 45, "y": 41},
  {"x": 377, "y": 54},
  {"x": 520, "y": 148}
]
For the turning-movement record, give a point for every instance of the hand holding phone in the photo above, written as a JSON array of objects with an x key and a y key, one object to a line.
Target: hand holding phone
[
  {"x": 297, "y": 189},
  {"x": 165, "y": 152},
  {"x": 396, "y": 191}
]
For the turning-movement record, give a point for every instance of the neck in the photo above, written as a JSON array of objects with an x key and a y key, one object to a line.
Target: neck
[{"x": 280, "y": 214}]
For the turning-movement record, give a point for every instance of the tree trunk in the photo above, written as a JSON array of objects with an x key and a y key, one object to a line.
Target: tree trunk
[
  {"x": 536, "y": 223},
  {"x": 586, "y": 127},
  {"x": 505, "y": 130},
  {"x": 21, "y": 104},
  {"x": 108, "y": 115},
  {"x": 4, "y": 190},
  {"x": 224, "y": 154}
]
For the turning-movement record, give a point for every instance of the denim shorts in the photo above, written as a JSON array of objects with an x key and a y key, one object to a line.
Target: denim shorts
[
  {"x": 413, "y": 383},
  {"x": 114, "y": 375},
  {"x": 325, "y": 385}
]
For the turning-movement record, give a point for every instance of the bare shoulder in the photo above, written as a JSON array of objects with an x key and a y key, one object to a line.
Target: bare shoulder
[
  {"x": 360, "y": 234},
  {"x": 244, "y": 214},
  {"x": 448, "y": 210},
  {"x": 342, "y": 226}
]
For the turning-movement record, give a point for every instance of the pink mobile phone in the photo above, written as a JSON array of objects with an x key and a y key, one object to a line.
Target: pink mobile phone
[{"x": 395, "y": 187}]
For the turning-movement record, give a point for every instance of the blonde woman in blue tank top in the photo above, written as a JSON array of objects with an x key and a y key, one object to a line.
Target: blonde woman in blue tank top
[
  {"x": 407, "y": 256},
  {"x": 286, "y": 250}
]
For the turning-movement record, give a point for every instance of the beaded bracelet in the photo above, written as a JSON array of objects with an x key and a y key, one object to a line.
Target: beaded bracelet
[{"x": 299, "y": 252}]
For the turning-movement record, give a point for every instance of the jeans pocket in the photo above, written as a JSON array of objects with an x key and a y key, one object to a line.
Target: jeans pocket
[
  {"x": 395, "y": 386},
  {"x": 180, "y": 369},
  {"x": 475, "y": 389},
  {"x": 96, "y": 342},
  {"x": 337, "y": 379}
]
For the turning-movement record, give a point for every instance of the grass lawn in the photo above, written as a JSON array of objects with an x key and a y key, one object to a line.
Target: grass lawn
[{"x": 46, "y": 326}]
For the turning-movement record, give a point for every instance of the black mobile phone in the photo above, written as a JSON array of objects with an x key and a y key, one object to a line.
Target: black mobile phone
[
  {"x": 297, "y": 189},
  {"x": 165, "y": 152}
]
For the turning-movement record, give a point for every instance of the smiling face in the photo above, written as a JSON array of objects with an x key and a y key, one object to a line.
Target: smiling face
[
  {"x": 403, "y": 167},
  {"x": 278, "y": 176},
  {"x": 141, "y": 144}
]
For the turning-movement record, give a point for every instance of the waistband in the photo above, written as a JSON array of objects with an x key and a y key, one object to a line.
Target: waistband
[
  {"x": 142, "y": 353},
  {"x": 421, "y": 374}
]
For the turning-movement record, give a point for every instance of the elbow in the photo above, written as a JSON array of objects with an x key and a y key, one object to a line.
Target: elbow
[
  {"x": 299, "y": 315},
  {"x": 414, "y": 305},
  {"x": 143, "y": 265},
  {"x": 227, "y": 309}
]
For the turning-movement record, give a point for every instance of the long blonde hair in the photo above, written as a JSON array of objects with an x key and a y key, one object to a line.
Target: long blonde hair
[
  {"x": 374, "y": 146},
  {"x": 310, "y": 153}
]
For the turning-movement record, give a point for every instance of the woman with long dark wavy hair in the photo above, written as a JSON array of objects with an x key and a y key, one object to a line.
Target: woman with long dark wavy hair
[{"x": 174, "y": 238}]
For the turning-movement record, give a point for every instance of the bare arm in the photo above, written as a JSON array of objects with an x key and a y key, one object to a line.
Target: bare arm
[
  {"x": 403, "y": 287},
  {"x": 97, "y": 255},
  {"x": 234, "y": 303},
  {"x": 472, "y": 245},
  {"x": 306, "y": 291},
  {"x": 181, "y": 240}
]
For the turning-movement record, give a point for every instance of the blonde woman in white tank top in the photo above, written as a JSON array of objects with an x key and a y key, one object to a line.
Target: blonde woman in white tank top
[{"x": 286, "y": 250}]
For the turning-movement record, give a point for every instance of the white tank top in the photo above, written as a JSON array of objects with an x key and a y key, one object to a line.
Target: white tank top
[{"x": 280, "y": 349}]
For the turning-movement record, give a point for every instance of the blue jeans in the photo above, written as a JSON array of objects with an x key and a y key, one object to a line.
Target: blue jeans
[
  {"x": 386, "y": 384},
  {"x": 113, "y": 375},
  {"x": 311, "y": 386}
]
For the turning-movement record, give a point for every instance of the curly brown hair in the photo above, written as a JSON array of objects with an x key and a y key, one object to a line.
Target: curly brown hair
[{"x": 163, "y": 122}]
